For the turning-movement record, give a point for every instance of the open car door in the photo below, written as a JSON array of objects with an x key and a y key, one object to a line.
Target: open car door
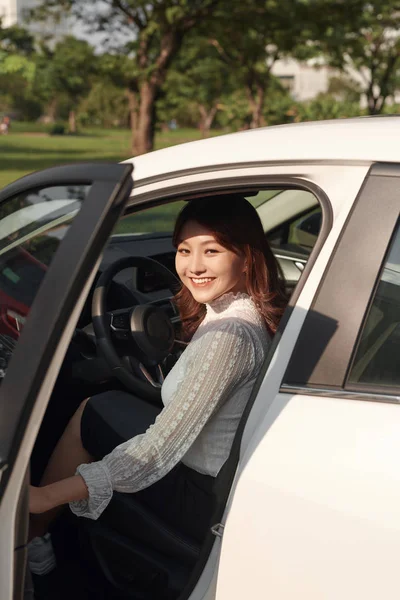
[{"x": 53, "y": 227}]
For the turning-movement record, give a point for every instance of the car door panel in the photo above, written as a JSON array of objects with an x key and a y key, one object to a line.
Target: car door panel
[
  {"x": 315, "y": 511},
  {"x": 46, "y": 334}
]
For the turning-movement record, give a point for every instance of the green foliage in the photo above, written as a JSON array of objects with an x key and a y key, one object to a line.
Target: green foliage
[
  {"x": 362, "y": 38},
  {"x": 17, "y": 71},
  {"x": 16, "y": 39},
  {"x": 197, "y": 85},
  {"x": 17, "y": 64},
  {"x": 106, "y": 105},
  {"x": 235, "y": 113},
  {"x": 279, "y": 106},
  {"x": 260, "y": 32},
  {"x": 326, "y": 106},
  {"x": 57, "y": 129},
  {"x": 71, "y": 67},
  {"x": 344, "y": 88}
]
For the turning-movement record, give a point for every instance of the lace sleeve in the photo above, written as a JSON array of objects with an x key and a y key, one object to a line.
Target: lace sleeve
[{"x": 218, "y": 360}]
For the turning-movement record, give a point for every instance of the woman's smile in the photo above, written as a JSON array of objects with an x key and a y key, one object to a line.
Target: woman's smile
[{"x": 202, "y": 281}]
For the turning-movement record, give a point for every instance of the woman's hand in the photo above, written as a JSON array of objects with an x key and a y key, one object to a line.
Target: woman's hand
[
  {"x": 38, "y": 500},
  {"x": 42, "y": 499}
]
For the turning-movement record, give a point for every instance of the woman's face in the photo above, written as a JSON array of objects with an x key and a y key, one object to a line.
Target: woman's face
[{"x": 205, "y": 267}]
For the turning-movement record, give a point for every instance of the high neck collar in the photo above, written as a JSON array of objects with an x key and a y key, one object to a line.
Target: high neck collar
[{"x": 227, "y": 302}]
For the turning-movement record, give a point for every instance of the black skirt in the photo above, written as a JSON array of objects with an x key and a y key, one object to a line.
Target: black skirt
[{"x": 183, "y": 497}]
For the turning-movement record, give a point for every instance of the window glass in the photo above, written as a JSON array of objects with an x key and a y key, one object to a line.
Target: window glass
[
  {"x": 32, "y": 226},
  {"x": 377, "y": 360}
]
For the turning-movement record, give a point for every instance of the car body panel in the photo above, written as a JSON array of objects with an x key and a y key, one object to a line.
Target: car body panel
[{"x": 322, "y": 482}]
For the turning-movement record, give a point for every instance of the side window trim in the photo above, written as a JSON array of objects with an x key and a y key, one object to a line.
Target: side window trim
[
  {"x": 372, "y": 395},
  {"x": 323, "y": 350},
  {"x": 364, "y": 386}
]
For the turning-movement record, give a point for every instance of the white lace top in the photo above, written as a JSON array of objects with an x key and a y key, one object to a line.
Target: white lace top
[{"x": 204, "y": 396}]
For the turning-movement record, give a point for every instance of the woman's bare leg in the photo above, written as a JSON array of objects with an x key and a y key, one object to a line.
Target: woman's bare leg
[{"x": 68, "y": 454}]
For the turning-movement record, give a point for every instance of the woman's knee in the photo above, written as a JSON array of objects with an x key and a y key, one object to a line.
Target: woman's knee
[{"x": 75, "y": 422}]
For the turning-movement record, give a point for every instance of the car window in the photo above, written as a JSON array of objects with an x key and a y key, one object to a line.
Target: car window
[
  {"x": 32, "y": 226},
  {"x": 377, "y": 359},
  {"x": 292, "y": 221}
]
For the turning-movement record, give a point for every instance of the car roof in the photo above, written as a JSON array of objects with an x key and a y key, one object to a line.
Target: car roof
[{"x": 362, "y": 139}]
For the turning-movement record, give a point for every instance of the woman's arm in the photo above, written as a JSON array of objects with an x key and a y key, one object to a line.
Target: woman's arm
[
  {"x": 42, "y": 499},
  {"x": 217, "y": 361}
]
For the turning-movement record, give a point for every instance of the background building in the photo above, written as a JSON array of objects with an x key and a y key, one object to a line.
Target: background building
[
  {"x": 12, "y": 11},
  {"x": 15, "y": 12},
  {"x": 303, "y": 80}
]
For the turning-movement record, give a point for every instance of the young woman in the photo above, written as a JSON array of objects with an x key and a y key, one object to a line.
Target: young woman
[{"x": 230, "y": 304}]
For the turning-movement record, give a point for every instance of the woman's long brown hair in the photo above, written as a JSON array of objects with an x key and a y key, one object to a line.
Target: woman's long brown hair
[{"x": 236, "y": 226}]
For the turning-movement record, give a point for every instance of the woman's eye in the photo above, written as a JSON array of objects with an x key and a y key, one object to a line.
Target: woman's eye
[
  {"x": 183, "y": 251},
  {"x": 212, "y": 251}
]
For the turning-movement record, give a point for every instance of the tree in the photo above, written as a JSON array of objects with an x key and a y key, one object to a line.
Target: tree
[
  {"x": 68, "y": 69},
  {"x": 362, "y": 38},
  {"x": 117, "y": 69},
  {"x": 259, "y": 33},
  {"x": 157, "y": 30},
  {"x": 197, "y": 83},
  {"x": 106, "y": 105},
  {"x": 17, "y": 65}
]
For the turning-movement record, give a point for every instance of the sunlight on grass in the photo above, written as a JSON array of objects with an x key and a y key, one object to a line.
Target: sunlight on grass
[
  {"x": 24, "y": 152},
  {"x": 153, "y": 220}
]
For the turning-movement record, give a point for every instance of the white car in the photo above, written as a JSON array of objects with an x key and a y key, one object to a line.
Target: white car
[{"x": 308, "y": 503}]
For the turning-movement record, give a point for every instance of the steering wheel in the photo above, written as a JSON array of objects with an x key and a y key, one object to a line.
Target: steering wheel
[{"x": 134, "y": 341}]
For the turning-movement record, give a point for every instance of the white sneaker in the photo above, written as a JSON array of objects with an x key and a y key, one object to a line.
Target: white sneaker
[{"x": 41, "y": 555}]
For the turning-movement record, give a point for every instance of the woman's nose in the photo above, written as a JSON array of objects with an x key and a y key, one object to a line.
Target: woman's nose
[{"x": 196, "y": 264}]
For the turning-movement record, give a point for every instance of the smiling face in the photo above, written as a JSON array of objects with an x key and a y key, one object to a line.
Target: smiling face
[{"x": 206, "y": 268}]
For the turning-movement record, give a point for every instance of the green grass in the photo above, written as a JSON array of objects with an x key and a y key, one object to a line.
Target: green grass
[
  {"x": 152, "y": 220},
  {"x": 29, "y": 148}
]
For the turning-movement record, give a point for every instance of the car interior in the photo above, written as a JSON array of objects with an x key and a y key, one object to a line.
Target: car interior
[{"x": 129, "y": 552}]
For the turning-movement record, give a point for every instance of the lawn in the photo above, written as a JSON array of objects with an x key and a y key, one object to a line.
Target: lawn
[{"x": 28, "y": 148}]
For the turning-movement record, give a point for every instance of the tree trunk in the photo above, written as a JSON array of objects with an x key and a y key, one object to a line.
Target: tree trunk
[
  {"x": 206, "y": 119},
  {"x": 144, "y": 134},
  {"x": 133, "y": 113},
  {"x": 170, "y": 43},
  {"x": 375, "y": 104},
  {"x": 72, "y": 121},
  {"x": 51, "y": 110},
  {"x": 256, "y": 101}
]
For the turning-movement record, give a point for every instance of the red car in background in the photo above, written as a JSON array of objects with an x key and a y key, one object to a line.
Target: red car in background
[
  {"x": 20, "y": 276},
  {"x": 29, "y": 237}
]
